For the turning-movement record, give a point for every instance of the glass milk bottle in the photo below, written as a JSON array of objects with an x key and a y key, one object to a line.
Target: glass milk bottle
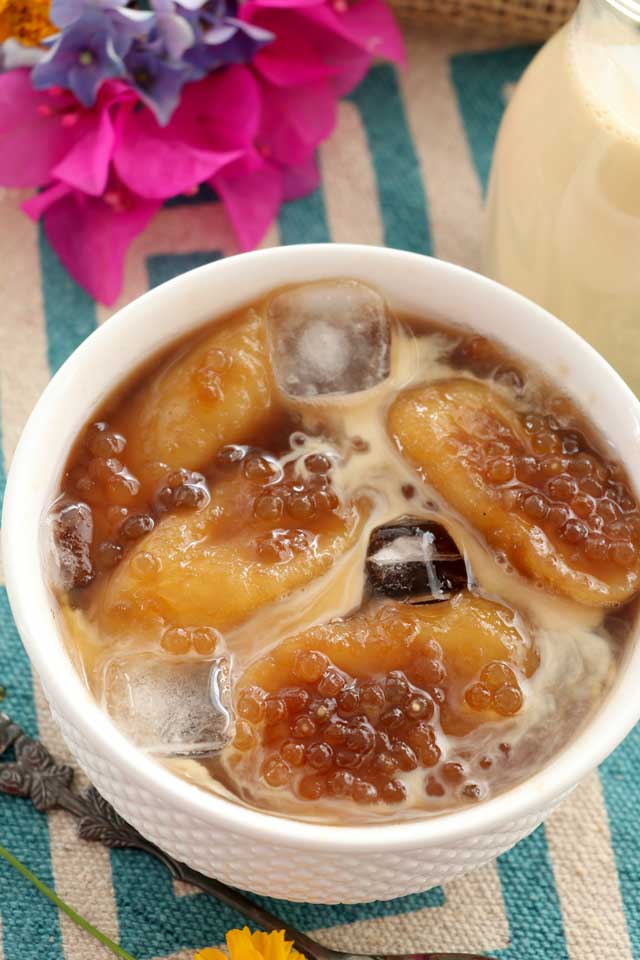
[{"x": 563, "y": 223}]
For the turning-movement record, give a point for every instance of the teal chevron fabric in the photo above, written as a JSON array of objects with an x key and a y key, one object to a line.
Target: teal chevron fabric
[{"x": 407, "y": 167}]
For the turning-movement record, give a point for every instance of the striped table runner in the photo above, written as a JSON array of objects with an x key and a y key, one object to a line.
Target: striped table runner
[{"x": 407, "y": 167}]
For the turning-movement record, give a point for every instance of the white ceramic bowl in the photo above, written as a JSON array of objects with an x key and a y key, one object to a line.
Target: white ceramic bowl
[{"x": 252, "y": 850}]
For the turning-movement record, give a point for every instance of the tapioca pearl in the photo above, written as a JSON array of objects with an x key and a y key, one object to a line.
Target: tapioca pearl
[
  {"x": 269, "y": 507},
  {"x": 102, "y": 469},
  {"x": 359, "y": 445},
  {"x": 392, "y": 719},
  {"x": 623, "y": 554},
  {"x": 116, "y": 515},
  {"x": 619, "y": 493},
  {"x": 340, "y": 783},
  {"x": 583, "y": 506},
  {"x": 433, "y": 788},
  {"x": 137, "y": 526},
  {"x": 620, "y": 530},
  {"x": 276, "y": 772},
  {"x": 275, "y": 710},
  {"x": 317, "y": 463},
  {"x": 473, "y": 791},
  {"x": 478, "y": 696},
  {"x": 176, "y": 641},
  {"x": 364, "y": 792},
  {"x": 401, "y": 630},
  {"x": 105, "y": 442},
  {"x": 396, "y": 687},
  {"x": 122, "y": 488},
  {"x": 348, "y": 702},
  {"x": 485, "y": 763},
  {"x": 500, "y": 471},
  {"x": 574, "y": 532},
  {"x": 608, "y": 510},
  {"x": 309, "y": 665},
  {"x": 453, "y": 772},
  {"x": 303, "y": 728},
  {"x": 423, "y": 742},
  {"x": 325, "y": 500},
  {"x": 558, "y": 515},
  {"x": 536, "y": 507},
  {"x": 533, "y": 423},
  {"x": 108, "y": 555},
  {"x": 205, "y": 640},
  {"x": 311, "y": 787},
  {"x": 336, "y": 731},
  {"x": 360, "y": 740},
  {"x": 553, "y": 466},
  {"x": 404, "y": 756},
  {"x": 230, "y": 455},
  {"x": 509, "y": 377},
  {"x": 590, "y": 486},
  {"x": 437, "y": 694},
  {"x": 408, "y": 491},
  {"x": 571, "y": 443},
  {"x": 545, "y": 443},
  {"x": 596, "y": 547},
  {"x": 496, "y": 450},
  {"x": 347, "y": 759},
  {"x": 245, "y": 738},
  {"x": 296, "y": 700},
  {"x": 504, "y": 748},
  {"x": 301, "y": 506},
  {"x": 419, "y": 707},
  {"x": 274, "y": 547},
  {"x": 528, "y": 470},
  {"x": 495, "y": 674},
  {"x": 251, "y": 705},
  {"x": 508, "y": 700},
  {"x": 429, "y": 671},
  {"x": 192, "y": 496},
  {"x": 372, "y": 698},
  {"x": 582, "y": 465},
  {"x": 384, "y": 764},
  {"x": 261, "y": 470},
  {"x": 331, "y": 682},
  {"x": 562, "y": 488},
  {"x": 320, "y": 756},
  {"x": 293, "y": 753},
  {"x": 394, "y": 792}
]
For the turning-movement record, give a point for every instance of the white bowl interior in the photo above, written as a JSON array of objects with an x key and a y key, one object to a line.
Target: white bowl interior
[{"x": 411, "y": 283}]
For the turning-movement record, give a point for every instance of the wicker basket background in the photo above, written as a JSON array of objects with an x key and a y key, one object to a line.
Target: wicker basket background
[{"x": 515, "y": 20}]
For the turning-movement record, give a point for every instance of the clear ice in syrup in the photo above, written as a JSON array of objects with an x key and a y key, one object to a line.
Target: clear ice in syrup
[
  {"x": 329, "y": 337},
  {"x": 170, "y": 708},
  {"x": 414, "y": 560}
]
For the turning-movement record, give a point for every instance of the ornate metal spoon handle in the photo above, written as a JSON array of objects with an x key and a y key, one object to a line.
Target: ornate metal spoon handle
[{"x": 36, "y": 776}]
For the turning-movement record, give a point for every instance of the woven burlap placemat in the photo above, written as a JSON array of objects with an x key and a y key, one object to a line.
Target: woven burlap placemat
[{"x": 509, "y": 20}]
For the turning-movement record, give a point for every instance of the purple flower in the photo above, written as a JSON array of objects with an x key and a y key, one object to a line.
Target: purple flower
[
  {"x": 174, "y": 31},
  {"x": 220, "y": 37},
  {"x": 157, "y": 79},
  {"x": 125, "y": 23},
  {"x": 81, "y": 58}
]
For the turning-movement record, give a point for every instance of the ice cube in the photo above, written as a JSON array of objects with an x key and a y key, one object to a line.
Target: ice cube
[
  {"x": 170, "y": 708},
  {"x": 414, "y": 560},
  {"x": 72, "y": 527},
  {"x": 328, "y": 337}
]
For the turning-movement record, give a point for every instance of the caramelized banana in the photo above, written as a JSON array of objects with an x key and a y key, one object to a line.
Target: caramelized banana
[
  {"x": 558, "y": 511},
  {"x": 253, "y": 544},
  {"x": 346, "y": 708},
  {"x": 219, "y": 391}
]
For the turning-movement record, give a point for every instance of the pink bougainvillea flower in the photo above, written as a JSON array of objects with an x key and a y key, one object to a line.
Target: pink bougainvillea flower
[
  {"x": 251, "y": 130},
  {"x": 91, "y": 235},
  {"x": 214, "y": 125}
]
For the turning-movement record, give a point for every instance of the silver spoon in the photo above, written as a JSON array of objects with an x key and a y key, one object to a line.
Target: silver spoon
[{"x": 35, "y": 775}]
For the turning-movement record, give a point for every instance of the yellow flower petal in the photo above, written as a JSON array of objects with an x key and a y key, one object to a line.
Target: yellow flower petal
[
  {"x": 25, "y": 20},
  {"x": 244, "y": 945}
]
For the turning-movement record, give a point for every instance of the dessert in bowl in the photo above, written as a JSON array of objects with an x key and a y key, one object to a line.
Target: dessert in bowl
[{"x": 333, "y": 539}]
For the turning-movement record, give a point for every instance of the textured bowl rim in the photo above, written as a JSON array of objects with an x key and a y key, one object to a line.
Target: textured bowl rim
[{"x": 41, "y": 449}]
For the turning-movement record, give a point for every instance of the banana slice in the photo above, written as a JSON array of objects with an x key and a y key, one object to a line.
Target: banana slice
[
  {"x": 346, "y": 708},
  {"x": 252, "y": 545},
  {"x": 541, "y": 497},
  {"x": 217, "y": 392}
]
